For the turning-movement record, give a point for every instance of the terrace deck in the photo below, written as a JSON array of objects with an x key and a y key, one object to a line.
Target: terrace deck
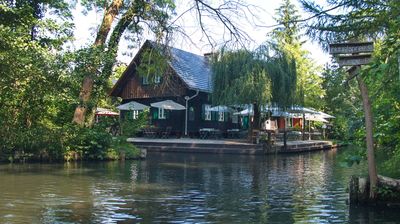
[{"x": 228, "y": 146}]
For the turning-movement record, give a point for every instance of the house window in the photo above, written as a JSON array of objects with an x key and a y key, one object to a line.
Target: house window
[
  {"x": 135, "y": 114},
  {"x": 191, "y": 114},
  {"x": 157, "y": 79},
  {"x": 221, "y": 116},
  {"x": 289, "y": 122},
  {"x": 145, "y": 80},
  {"x": 161, "y": 113},
  {"x": 235, "y": 119},
  {"x": 207, "y": 112}
]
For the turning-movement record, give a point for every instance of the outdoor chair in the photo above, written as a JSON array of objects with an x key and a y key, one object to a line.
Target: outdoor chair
[
  {"x": 215, "y": 134},
  {"x": 166, "y": 133},
  {"x": 149, "y": 133},
  {"x": 233, "y": 133}
]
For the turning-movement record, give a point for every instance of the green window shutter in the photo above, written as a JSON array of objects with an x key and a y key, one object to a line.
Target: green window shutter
[
  {"x": 167, "y": 114},
  {"x": 155, "y": 114},
  {"x": 226, "y": 116},
  {"x": 203, "y": 112},
  {"x": 214, "y": 116}
]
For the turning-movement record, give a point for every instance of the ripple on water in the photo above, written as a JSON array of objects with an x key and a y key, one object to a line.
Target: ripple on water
[{"x": 176, "y": 188}]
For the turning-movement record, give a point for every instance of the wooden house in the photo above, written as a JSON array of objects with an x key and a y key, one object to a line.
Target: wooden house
[{"x": 187, "y": 81}]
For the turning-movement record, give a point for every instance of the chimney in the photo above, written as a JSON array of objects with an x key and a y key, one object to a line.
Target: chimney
[{"x": 208, "y": 56}]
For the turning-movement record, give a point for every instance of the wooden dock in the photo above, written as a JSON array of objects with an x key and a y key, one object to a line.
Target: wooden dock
[{"x": 226, "y": 146}]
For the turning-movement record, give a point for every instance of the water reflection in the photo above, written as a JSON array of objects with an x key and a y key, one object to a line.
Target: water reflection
[{"x": 184, "y": 188}]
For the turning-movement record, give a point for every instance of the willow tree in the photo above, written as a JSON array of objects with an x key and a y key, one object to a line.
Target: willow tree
[
  {"x": 376, "y": 20},
  {"x": 243, "y": 77}
]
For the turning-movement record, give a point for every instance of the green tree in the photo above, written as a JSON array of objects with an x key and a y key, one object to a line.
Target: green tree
[
  {"x": 31, "y": 75},
  {"x": 342, "y": 100},
  {"x": 134, "y": 15},
  {"x": 287, "y": 38},
  {"x": 240, "y": 78},
  {"x": 359, "y": 20},
  {"x": 244, "y": 77}
]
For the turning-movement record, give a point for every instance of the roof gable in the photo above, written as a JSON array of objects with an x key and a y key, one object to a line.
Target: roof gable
[{"x": 194, "y": 70}]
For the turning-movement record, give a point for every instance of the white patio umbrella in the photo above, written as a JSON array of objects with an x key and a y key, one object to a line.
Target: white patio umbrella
[
  {"x": 220, "y": 109},
  {"x": 133, "y": 105},
  {"x": 316, "y": 118},
  {"x": 168, "y": 105},
  {"x": 325, "y": 115},
  {"x": 301, "y": 110},
  {"x": 105, "y": 112},
  {"x": 248, "y": 111},
  {"x": 282, "y": 114}
]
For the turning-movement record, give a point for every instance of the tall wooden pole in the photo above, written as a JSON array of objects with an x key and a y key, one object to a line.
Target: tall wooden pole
[{"x": 373, "y": 176}]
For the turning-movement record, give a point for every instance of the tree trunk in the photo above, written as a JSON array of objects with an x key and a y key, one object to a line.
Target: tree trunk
[
  {"x": 387, "y": 181},
  {"x": 255, "y": 124},
  {"x": 114, "y": 40},
  {"x": 256, "y": 119},
  {"x": 87, "y": 85},
  {"x": 303, "y": 132},
  {"x": 369, "y": 137}
]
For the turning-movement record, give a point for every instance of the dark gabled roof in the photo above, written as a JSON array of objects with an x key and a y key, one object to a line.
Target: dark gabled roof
[{"x": 193, "y": 69}]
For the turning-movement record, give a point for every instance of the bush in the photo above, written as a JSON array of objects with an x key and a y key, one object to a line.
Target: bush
[
  {"x": 86, "y": 143},
  {"x": 130, "y": 127},
  {"x": 124, "y": 149}
]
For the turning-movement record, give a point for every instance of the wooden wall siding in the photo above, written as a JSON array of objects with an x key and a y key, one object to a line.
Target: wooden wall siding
[
  {"x": 170, "y": 85},
  {"x": 199, "y": 122}
]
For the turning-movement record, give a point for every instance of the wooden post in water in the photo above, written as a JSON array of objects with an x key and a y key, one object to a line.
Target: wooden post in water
[{"x": 355, "y": 55}]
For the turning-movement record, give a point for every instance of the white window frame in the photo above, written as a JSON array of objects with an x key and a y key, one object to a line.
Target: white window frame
[
  {"x": 145, "y": 80},
  {"x": 157, "y": 79},
  {"x": 207, "y": 112},
  {"x": 161, "y": 113},
  {"x": 221, "y": 116},
  {"x": 135, "y": 114}
]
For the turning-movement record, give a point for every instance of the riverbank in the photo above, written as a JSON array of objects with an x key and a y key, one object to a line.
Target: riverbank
[{"x": 228, "y": 146}]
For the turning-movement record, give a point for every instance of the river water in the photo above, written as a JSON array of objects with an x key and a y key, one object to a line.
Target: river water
[{"x": 186, "y": 188}]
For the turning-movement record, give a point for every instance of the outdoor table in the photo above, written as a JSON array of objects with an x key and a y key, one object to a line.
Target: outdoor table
[
  {"x": 316, "y": 135},
  {"x": 204, "y": 132},
  {"x": 233, "y": 133},
  {"x": 209, "y": 133}
]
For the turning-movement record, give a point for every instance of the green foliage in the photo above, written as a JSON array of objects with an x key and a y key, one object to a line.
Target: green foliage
[
  {"x": 130, "y": 127},
  {"x": 88, "y": 143},
  {"x": 243, "y": 77},
  {"x": 283, "y": 73},
  {"x": 39, "y": 85},
  {"x": 387, "y": 193},
  {"x": 240, "y": 78},
  {"x": 343, "y": 100},
  {"x": 31, "y": 81},
  {"x": 124, "y": 149},
  {"x": 153, "y": 62},
  {"x": 377, "y": 21},
  {"x": 287, "y": 38},
  {"x": 351, "y": 157},
  {"x": 352, "y": 19}
]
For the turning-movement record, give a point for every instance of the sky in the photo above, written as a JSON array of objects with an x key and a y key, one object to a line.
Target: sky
[{"x": 85, "y": 30}]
